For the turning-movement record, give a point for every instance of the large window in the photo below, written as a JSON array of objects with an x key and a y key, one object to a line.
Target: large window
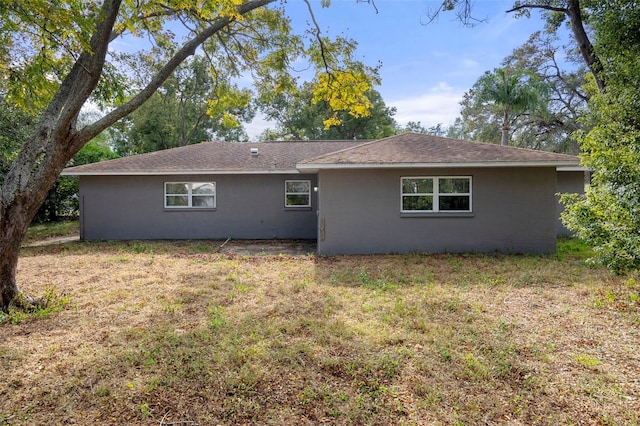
[
  {"x": 297, "y": 193},
  {"x": 197, "y": 195},
  {"x": 436, "y": 194}
]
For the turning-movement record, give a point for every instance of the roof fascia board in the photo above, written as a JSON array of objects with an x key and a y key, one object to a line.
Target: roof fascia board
[
  {"x": 573, "y": 169},
  {"x": 557, "y": 164},
  {"x": 184, "y": 172}
]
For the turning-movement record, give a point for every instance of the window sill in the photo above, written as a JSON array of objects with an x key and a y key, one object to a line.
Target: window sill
[
  {"x": 297, "y": 209},
  {"x": 438, "y": 214},
  {"x": 190, "y": 209}
]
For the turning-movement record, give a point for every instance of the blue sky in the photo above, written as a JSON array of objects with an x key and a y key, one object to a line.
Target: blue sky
[{"x": 425, "y": 68}]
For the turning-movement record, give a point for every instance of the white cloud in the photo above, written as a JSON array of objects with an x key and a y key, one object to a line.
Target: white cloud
[
  {"x": 469, "y": 63},
  {"x": 440, "y": 104},
  {"x": 258, "y": 125}
]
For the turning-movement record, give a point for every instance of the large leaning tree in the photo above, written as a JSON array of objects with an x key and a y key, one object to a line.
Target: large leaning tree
[{"x": 57, "y": 58}]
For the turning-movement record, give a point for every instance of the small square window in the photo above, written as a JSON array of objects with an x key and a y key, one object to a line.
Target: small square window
[{"x": 297, "y": 193}]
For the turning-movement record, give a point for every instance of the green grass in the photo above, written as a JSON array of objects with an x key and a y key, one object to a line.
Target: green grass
[
  {"x": 573, "y": 248},
  {"x": 49, "y": 304},
  {"x": 44, "y": 231}
]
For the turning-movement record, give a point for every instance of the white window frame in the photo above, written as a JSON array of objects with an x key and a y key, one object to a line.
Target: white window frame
[
  {"x": 436, "y": 194},
  {"x": 190, "y": 195},
  {"x": 287, "y": 193}
]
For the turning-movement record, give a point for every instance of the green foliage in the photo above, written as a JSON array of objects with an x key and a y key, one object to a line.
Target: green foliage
[
  {"x": 62, "y": 200},
  {"x": 190, "y": 108},
  {"x": 608, "y": 216},
  {"x": 417, "y": 127},
  {"x": 15, "y": 126},
  {"x": 499, "y": 98},
  {"x": 548, "y": 123},
  {"x": 298, "y": 117},
  {"x": 94, "y": 151},
  {"x": 37, "y": 32},
  {"x": 24, "y": 311},
  {"x": 552, "y": 127}
]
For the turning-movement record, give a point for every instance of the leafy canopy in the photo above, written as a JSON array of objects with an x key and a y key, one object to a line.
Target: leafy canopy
[
  {"x": 48, "y": 37},
  {"x": 505, "y": 94},
  {"x": 298, "y": 117},
  {"x": 550, "y": 123},
  {"x": 183, "y": 111}
]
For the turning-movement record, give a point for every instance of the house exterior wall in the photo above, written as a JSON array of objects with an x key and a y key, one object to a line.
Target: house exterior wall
[
  {"x": 513, "y": 210},
  {"x": 568, "y": 182},
  {"x": 247, "y": 207}
]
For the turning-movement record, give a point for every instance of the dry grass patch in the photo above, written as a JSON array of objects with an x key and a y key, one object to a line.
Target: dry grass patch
[{"x": 162, "y": 333}]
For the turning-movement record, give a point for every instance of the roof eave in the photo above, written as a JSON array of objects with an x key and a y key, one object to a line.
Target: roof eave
[
  {"x": 309, "y": 167},
  {"x": 179, "y": 172},
  {"x": 573, "y": 169}
]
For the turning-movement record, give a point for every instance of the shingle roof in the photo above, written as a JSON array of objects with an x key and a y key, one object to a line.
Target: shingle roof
[
  {"x": 415, "y": 150},
  {"x": 216, "y": 157},
  {"x": 407, "y": 150}
]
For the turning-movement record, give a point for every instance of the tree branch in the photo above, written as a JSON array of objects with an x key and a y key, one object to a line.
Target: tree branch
[
  {"x": 538, "y": 6},
  {"x": 188, "y": 49},
  {"x": 317, "y": 34},
  {"x": 574, "y": 14},
  {"x": 39, "y": 153},
  {"x": 463, "y": 13}
]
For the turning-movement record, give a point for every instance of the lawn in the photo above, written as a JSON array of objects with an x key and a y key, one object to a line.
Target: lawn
[
  {"x": 160, "y": 333},
  {"x": 46, "y": 231}
]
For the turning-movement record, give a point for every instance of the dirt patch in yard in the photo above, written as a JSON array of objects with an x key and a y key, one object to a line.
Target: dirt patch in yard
[
  {"x": 277, "y": 247},
  {"x": 243, "y": 247}
]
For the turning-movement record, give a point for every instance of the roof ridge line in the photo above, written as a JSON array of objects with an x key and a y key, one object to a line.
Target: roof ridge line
[{"x": 368, "y": 142}]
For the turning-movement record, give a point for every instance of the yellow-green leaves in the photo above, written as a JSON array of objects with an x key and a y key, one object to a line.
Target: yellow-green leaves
[
  {"x": 40, "y": 41},
  {"x": 228, "y": 101},
  {"x": 342, "y": 81},
  {"x": 343, "y": 91}
]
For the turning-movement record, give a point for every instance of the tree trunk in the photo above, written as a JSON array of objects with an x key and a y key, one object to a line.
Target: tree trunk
[
  {"x": 45, "y": 153},
  {"x": 574, "y": 13},
  {"x": 584, "y": 44},
  {"x": 505, "y": 128},
  {"x": 8, "y": 268},
  {"x": 24, "y": 192},
  {"x": 13, "y": 228}
]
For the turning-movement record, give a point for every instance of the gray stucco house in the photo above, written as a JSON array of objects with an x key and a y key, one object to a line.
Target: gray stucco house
[{"x": 405, "y": 193}]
